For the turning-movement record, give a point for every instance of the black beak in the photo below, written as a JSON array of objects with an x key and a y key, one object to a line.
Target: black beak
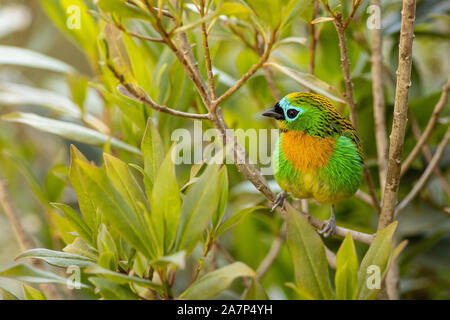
[{"x": 276, "y": 113}]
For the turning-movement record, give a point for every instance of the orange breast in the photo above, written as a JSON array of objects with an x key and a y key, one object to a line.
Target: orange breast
[{"x": 304, "y": 152}]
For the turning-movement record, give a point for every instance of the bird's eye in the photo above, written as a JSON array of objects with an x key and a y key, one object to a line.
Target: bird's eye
[{"x": 292, "y": 113}]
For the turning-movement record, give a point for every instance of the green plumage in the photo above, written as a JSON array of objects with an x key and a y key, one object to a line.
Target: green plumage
[{"x": 318, "y": 153}]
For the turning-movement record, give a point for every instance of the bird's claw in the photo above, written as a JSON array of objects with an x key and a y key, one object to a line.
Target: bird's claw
[
  {"x": 279, "y": 200},
  {"x": 329, "y": 228}
]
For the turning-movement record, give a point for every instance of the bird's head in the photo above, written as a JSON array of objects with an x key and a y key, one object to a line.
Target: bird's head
[{"x": 302, "y": 111}]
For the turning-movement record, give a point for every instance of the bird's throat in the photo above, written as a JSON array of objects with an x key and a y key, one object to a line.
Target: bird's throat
[{"x": 304, "y": 152}]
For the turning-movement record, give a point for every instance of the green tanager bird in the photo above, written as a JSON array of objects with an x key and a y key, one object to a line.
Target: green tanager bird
[{"x": 318, "y": 154}]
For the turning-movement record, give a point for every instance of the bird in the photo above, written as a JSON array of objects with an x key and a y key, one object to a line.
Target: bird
[{"x": 318, "y": 154}]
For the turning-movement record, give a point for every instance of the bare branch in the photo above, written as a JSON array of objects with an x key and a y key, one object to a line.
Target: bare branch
[
  {"x": 426, "y": 174},
  {"x": 212, "y": 88},
  {"x": 313, "y": 38},
  {"x": 427, "y": 153},
  {"x": 271, "y": 256},
  {"x": 345, "y": 66},
  {"x": 249, "y": 73},
  {"x": 24, "y": 239},
  {"x": 400, "y": 114},
  {"x": 429, "y": 129},
  {"x": 378, "y": 102},
  {"x": 129, "y": 91}
]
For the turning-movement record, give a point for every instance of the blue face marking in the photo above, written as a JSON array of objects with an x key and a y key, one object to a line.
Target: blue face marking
[{"x": 290, "y": 112}]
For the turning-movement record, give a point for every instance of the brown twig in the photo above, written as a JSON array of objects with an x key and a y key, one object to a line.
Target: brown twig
[
  {"x": 313, "y": 38},
  {"x": 378, "y": 102},
  {"x": 426, "y": 174},
  {"x": 400, "y": 114},
  {"x": 273, "y": 253},
  {"x": 427, "y": 153},
  {"x": 250, "y": 72},
  {"x": 207, "y": 53},
  {"x": 129, "y": 91},
  {"x": 345, "y": 66},
  {"x": 429, "y": 129},
  {"x": 24, "y": 239}
]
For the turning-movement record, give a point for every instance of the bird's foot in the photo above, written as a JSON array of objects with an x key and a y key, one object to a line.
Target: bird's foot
[
  {"x": 329, "y": 228},
  {"x": 279, "y": 200}
]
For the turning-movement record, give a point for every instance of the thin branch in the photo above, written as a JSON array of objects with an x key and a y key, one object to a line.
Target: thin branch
[
  {"x": 212, "y": 88},
  {"x": 313, "y": 38},
  {"x": 400, "y": 114},
  {"x": 271, "y": 83},
  {"x": 427, "y": 153},
  {"x": 273, "y": 253},
  {"x": 355, "y": 7},
  {"x": 429, "y": 129},
  {"x": 24, "y": 239},
  {"x": 378, "y": 102},
  {"x": 345, "y": 66},
  {"x": 129, "y": 91},
  {"x": 259, "y": 51},
  {"x": 251, "y": 72},
  {"x": 426, "y": 174},
  {"x": 121, "y": 27},
  {"x": 22, "y": 236}
]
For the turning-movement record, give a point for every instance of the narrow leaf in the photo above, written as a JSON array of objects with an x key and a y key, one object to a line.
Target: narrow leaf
[
  {"x": 308, "y": 255},
  {"x": 213, "y": 283}
]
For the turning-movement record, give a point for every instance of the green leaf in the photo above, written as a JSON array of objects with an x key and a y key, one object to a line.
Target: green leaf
[
  {"x": 57, "y": 258},
  {"x": 213, "y": 283},
  {"x": 300, "y": 292},
  {"x": 256, "y": 292},
  {"x": 235, "y": 219},
  {"x": 28, "y": 58},
  {"x": 123, "y": 9},
  {"x": 106, "y": 244},
  {"x": 346, "y": 279},
  {"x": 107, "y": 260},
  {"x": 123, "y": 180},
  {"x": 6, "y": 295},
  {"x": 223, "y": 186},
  {"x": 26, "y": 273},
  {"x": 129, "y": 224},
  {"x": 178, "y": 259},
  {"x": 78, "y": 86},
  {"x": 308, "y": 255},
  {"x": 377, "y": 255},
  {"x": 80, "y": 247},
  {"x": 309, "y": 81},
  {"x": 64, "y": 228},
  {"x": 196, "y": 23},
  {"x": 198, "y": 207},
  {"x": 76, "y": 222},
  {"x": 110, "y": 290},
  {"x": 153, "y": 151},
  {"x": 121, "y": 278},
  {"x": 32, "y": 294},
  {"x": 72, "y": 18},
  {"x": 118, "y": 54},
  {"x": 322, "y": 19},
  {"x": 166, "y": 204},
  {"x": 67, "y": 130}
]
